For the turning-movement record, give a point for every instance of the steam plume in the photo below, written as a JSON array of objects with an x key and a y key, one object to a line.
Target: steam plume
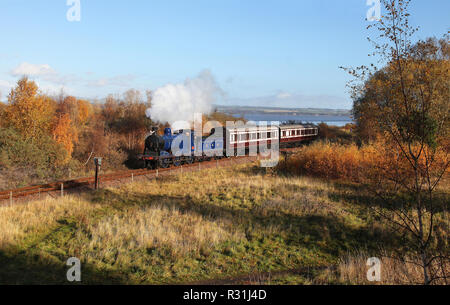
[{"x": 178, "y": 102}]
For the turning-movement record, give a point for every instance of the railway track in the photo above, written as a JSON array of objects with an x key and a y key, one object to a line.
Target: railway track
[{"x": 63, "y": 186}]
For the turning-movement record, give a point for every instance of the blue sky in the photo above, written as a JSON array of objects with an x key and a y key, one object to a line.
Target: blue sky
[{"x": 272, "y": 53}]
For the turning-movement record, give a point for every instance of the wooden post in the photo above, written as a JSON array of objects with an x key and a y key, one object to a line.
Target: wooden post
[
  {"x": 10, "y": 198},
  {"x": 39, "y": 193},
  {"x": 62, "y": 189},
  {"x": 98, "y": 163},
  {"x": 96, "y": 178},
  {"x": 157, "y": 173},
  {"x": 217, "y": 163},
  {"x": 132, "y": 177}
]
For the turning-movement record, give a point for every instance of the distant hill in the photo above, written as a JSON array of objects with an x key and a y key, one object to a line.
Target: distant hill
[{"x": 276, "y": 110}]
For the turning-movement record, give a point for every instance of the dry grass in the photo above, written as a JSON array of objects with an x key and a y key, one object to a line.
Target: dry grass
[
  {"x": 352, "y": 269},
  {"x": 19, "y": 221},
  {"x": 218, "y": 223},
  {"x": 151, "y": 228}
]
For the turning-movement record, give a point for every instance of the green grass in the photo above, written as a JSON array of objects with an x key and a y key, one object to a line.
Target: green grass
[{"x": 211, "y": 225}]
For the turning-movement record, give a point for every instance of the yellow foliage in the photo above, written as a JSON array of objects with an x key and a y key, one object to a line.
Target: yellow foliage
[
  {"x": 372, "y": 161},
  {"x": 29, "y": 112},
  {"x": 84, "y": 111},
  {"x": 65, "y": 134}
]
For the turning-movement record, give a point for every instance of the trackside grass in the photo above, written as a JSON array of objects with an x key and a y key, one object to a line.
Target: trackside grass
[{"x": 215, "y": 224}]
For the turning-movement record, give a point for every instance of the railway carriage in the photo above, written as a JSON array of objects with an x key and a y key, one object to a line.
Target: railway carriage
[{"x": 294, "y": 135}]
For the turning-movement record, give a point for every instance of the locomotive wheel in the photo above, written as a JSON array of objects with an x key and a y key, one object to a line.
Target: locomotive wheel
[
  {"x": 164, "y": 163},
  {"x": 151, "y": 165},
  {"x": 177, "y": 161},
  {"x": 189, "y": 160}
]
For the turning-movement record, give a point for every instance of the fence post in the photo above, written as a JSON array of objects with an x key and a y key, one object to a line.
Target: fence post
[
  {"x": 39, "y": 193},
  {"x": 62, "y": 189},
  {"x": 98, "y": 163},
  {"x": 10, "y": 198},
  {"x": 132, "y": 177},
  {"x": 157, "y": 173}
]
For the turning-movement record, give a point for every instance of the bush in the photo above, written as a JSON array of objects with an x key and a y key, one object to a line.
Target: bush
[
  {"x": 334, "y": 161},
  {"x": 42, "y": 160},
  {"x": 350, "y": 162}
]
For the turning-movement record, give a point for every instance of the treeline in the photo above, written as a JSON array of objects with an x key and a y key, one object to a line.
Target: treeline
[{"x": 44, "y": 137}]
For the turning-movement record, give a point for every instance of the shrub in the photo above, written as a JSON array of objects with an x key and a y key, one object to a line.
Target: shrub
[
  {"x": 18, "y": 152},
  {"x": 358, "y": 164}
]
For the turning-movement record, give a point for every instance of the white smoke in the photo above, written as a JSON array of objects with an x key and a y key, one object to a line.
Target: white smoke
[{"x": 176, "y": 103}]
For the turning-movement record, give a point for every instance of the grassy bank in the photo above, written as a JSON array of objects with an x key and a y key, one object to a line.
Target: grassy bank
[{"x": 216, "y": 224}]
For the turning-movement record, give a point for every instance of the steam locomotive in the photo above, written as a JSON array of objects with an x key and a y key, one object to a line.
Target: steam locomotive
[{"x": 183, "y": 147}]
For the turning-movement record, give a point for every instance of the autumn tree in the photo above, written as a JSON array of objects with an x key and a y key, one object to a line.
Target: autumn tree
[
  {"x": 29, "y": 112},
  {"x": 84, "y": 112},
  {"x": 407, "y": 104},
  {"x": 427, "y": 59},
  {"x": 134, "y": 123},
  {"x": 2, "y": 109},
  {"x": 65, "y": 134},
  {"x": 127, "y": 118}
]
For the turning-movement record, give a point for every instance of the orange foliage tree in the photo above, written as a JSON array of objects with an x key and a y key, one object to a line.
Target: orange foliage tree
[
  {"x": 64, "y": 133},
  {"x": 84, "y": 112},
  {"x": 29, "y": 112}
]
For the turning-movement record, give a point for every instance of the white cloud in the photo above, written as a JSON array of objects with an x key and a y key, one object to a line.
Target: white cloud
[
  {"x": 5, "y": 87},
  {"x": 32, "y": 70},
  {"x": 284, "y": 95},
  {"x": 4, "y": 83}
]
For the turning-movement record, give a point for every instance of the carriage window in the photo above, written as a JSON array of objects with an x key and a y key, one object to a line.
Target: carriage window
[{"x": 284, "y": 133}]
